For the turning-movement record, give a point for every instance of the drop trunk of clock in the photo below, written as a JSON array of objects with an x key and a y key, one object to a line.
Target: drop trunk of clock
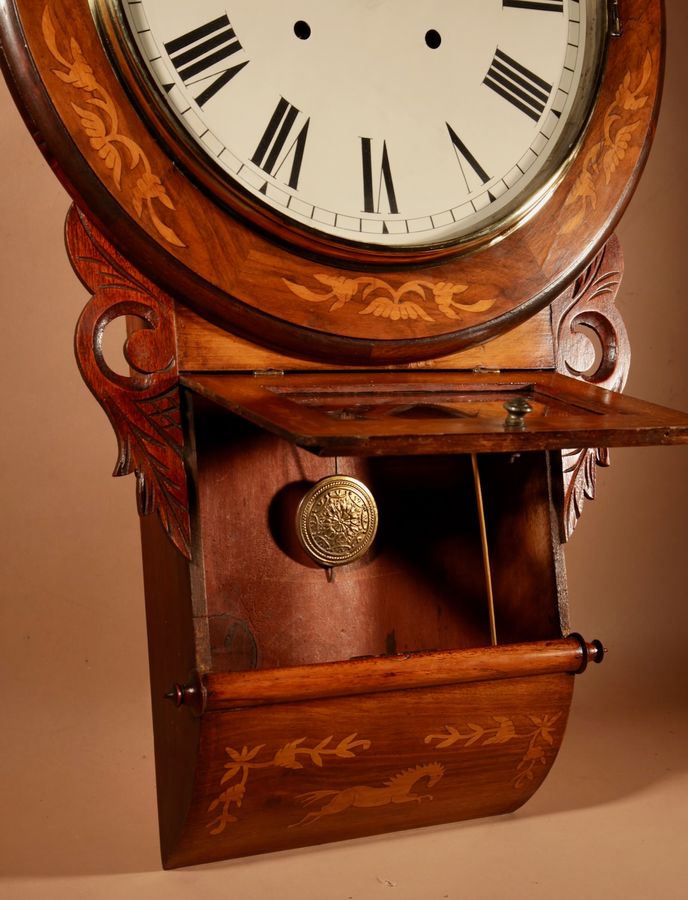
[
  {"x": 299, "y": 697},
  {"x": 428, "y": 681},
  {"x": 344, "y": 703}
]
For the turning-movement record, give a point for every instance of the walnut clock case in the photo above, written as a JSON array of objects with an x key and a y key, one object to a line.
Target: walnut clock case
[{"x": 359, "y": 247}]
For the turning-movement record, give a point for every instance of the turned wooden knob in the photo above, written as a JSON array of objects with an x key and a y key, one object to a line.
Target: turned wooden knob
[{"x": 191, "y": 694}]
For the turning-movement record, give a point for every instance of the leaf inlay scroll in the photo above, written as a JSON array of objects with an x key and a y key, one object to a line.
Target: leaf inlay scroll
[
  {"x": 539, "y": 737},
  {"x": 413, "y": 300},
  {"x": 99, "y": 118},
  {"x": 605, "y": 156}
]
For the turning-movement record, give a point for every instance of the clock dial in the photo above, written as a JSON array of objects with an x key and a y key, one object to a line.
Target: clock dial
[{"x": 395, "y": 125}]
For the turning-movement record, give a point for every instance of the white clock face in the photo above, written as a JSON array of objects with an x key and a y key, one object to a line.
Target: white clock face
[{"x": 392, "y": 123}]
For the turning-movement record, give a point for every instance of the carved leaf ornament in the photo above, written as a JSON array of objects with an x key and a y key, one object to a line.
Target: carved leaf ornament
[
  {"x": 144, "y": 406},
  {"x": 584, "y": 315}
]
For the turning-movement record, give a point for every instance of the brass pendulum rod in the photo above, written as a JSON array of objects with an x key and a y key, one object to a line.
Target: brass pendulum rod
[
  {"x": 485, "y": 549},
  {"x": 330, "y": 570}
]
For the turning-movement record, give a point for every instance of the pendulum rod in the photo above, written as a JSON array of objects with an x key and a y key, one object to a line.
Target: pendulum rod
[
  {"x": 485, "y": 549},
  {"x": 329, "y": 571}
]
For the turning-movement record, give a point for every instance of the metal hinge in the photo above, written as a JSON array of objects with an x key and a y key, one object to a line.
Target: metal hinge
[
  {"x": 615, "y": 28},
  {"x": 264, "y": 373}
]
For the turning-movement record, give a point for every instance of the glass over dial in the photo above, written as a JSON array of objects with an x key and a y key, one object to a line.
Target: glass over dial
[{"x": 391, "y": 123}]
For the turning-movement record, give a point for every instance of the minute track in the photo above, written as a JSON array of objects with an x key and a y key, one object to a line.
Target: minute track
[{"x": 309, "y": 146}]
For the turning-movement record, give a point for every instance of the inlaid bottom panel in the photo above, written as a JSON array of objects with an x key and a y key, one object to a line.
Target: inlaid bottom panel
[{"x": 296, "y": 774}]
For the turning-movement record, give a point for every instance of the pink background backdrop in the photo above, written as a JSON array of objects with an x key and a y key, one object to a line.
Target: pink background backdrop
[{"x": 76, "y": 779}]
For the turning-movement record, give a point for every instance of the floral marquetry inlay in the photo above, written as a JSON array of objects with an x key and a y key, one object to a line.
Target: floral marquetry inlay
[
  {"x": 99, "y": 118},
  {"x": 606, "y": 155},
  {"x": 539, "y": 736},
  {"x": 375, "y": 297}
]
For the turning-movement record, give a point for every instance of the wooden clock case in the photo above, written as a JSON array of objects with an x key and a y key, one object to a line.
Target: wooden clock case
[{"x": 431, "y": 680}]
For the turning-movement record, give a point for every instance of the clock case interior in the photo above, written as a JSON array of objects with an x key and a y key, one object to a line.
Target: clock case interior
[{"x": 429, "y": 681}]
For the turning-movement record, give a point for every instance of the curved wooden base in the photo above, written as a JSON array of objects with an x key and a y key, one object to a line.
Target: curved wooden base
[
  {"x": 277, "y": 758},
  {"x": 300, "y": 773}
]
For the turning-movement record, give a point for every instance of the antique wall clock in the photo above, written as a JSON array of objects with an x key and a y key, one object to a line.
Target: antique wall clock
[{"x": 358, "y": 247}]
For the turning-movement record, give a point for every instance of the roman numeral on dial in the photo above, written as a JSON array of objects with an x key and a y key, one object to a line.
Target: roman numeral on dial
[
  {"x": 522, "y": 88},
  {"x": 467, "y": 162},
  {"x": 283, "y": 140},
  {"x": 198, "y": 56},
  {"x": 544, "y": 5},
  {"x": 372, "y": 187}
]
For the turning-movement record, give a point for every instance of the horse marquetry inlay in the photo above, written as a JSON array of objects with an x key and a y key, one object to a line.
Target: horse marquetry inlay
[
  {"x": 398, "y": 789},
  {"x": 242, "y": 763}
]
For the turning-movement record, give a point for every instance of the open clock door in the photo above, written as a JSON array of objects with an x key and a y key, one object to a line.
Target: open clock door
[{"x": 371, "y": 414}]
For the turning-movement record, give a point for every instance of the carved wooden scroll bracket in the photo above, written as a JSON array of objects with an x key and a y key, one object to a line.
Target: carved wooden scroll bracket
[
  {"x": 591, "y": 343},
  {"x": 143, "y": 406}
]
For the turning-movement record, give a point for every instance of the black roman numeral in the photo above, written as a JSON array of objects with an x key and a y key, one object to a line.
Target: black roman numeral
[
  {"x": 464, "y": 155},
  {"x": 372, "y": 193},
  {"x": 521, "y": 87},
  {"x": 280, "y": 142},
  {"x": 199, "y": 54},
  {"x": 545, "y": 5}
]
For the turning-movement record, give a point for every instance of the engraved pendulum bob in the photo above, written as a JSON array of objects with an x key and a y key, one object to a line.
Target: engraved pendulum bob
[{"x": 337, "y": 520}]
